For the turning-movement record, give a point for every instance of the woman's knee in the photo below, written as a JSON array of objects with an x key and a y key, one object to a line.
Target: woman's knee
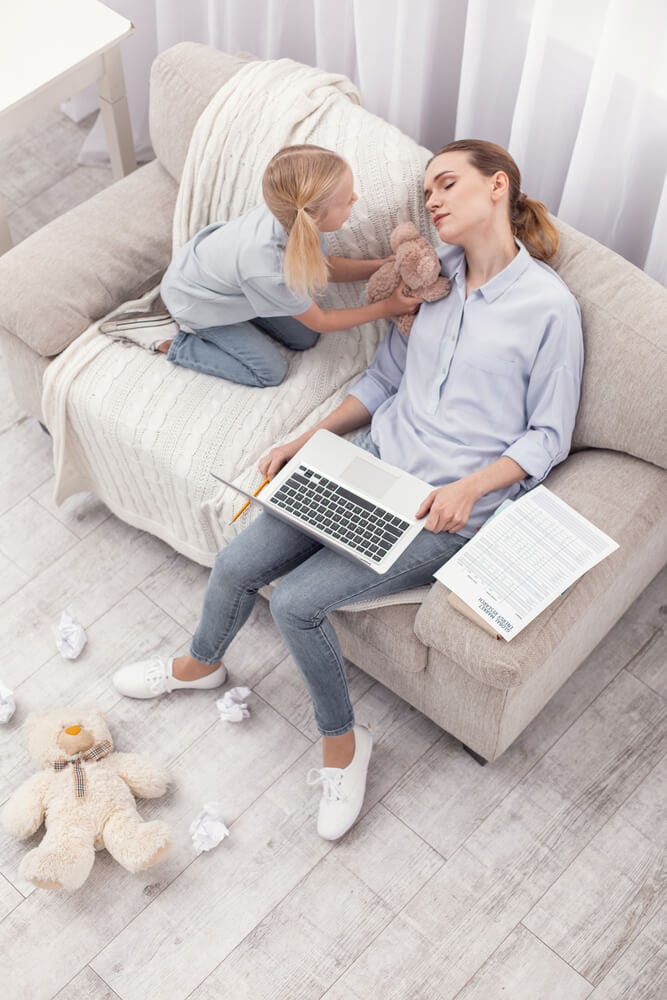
[{"x": 290, "y": 606}]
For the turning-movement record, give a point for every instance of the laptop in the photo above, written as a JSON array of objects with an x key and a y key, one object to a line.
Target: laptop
[{"x": 347, "y": 499}]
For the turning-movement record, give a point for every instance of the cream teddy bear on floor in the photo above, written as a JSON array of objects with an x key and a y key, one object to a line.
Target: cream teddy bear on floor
[{"x": 84, "y": 795}]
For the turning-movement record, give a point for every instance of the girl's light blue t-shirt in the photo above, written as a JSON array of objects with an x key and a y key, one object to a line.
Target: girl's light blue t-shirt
[{"x": 230, "y": 272}]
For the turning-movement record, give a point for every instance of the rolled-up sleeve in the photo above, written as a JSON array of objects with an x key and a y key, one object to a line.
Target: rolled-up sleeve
[
  {"x": 552, "y": 399},
  {"x": 383, "y": 376}
]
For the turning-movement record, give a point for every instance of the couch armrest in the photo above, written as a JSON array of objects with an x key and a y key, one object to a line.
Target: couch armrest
[
  {"x": 625, "y": 497},
  {"x": 112, "y": 247}
]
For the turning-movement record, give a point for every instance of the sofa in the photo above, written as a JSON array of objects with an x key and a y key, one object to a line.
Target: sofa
[{"x": 57, "y": 284}]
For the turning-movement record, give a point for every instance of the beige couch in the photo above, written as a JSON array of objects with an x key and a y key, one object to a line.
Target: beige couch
[{"x": 116, "y": 246}]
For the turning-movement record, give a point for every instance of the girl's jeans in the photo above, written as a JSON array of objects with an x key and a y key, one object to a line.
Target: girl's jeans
[
  {"x": 242, "y": 352},
  {"x": 314, "y": 580}
]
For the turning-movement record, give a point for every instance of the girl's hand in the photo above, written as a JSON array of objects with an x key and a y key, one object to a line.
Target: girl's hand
[
  {"x": 400, "y": 302},
  {"x": 273, "y": 461},
  {"x": 449, "y": 507}
]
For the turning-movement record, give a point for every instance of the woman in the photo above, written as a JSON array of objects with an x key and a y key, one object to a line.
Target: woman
[{"x": 480, "y": 402}]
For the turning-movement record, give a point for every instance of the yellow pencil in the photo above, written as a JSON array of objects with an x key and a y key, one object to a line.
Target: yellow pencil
[{"x": 247, "y": 503}]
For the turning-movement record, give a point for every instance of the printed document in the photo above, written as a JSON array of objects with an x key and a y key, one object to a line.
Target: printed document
[{"x": 523, "y": 559}]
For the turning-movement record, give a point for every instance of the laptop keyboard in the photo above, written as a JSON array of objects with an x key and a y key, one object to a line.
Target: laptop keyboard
[{"x": 341, "y": 514}]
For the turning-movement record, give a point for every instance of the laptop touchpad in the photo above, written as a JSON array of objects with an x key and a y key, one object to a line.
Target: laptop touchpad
[{"x": 365, "y": 476}]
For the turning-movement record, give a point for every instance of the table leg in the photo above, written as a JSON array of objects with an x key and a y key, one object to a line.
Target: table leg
[
  {"x": 116, "y": 116},
  {"x": 6, "y": 242}
]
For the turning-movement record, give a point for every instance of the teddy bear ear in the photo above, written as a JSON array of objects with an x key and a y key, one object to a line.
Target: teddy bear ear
[{"x": 403, "y": 232}]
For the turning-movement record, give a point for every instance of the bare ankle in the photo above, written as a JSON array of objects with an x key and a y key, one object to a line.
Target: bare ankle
[
  {"x": 163, "y": 348},
  {"x": 338, "y": 751},
  {"x": 186, "y": 668}
]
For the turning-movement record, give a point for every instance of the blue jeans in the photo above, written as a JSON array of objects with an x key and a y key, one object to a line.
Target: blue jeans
[
  {"x": 315, "y": 580},
  {"x": 241, "y": 352}
]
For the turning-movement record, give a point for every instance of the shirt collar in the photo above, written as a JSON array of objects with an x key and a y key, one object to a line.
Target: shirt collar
[{"x": 500, "y": 282}]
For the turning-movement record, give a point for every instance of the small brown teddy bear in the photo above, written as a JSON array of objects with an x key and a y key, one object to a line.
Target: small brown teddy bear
[
  {"x": 84, "y": 795},
  {"x": 416, "y": 265}
]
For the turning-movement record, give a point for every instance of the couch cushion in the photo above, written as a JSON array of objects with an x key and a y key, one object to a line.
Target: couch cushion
[
  {"x": 624, "y": 315},
  {"x": 623, "y": 496},
  {"x": 184, "y": 78},
  {"x": 87, "y": 262}
]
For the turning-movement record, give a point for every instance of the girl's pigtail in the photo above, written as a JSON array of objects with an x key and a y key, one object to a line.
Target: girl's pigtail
[{"x": 306, "y": 269}]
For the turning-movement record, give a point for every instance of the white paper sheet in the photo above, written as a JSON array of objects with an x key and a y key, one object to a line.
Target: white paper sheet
[{"x": 523, "y": 559}]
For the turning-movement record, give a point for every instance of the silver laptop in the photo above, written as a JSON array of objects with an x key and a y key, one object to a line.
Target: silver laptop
[{"x": 347, "y": 499}]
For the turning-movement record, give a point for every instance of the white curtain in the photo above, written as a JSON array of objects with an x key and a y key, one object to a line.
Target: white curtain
[{"x": 575, "y": 89}]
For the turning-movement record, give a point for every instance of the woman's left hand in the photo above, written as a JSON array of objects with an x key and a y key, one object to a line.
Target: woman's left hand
[{"x": 449, "y": 507}]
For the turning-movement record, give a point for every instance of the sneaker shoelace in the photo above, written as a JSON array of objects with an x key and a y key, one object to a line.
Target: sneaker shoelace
[
  {"x": 331, "y": 783},
  {"x": 155, "y": 679}
]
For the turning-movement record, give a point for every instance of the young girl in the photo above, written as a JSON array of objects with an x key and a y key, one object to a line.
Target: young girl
[{"x": 237, "y": 286}]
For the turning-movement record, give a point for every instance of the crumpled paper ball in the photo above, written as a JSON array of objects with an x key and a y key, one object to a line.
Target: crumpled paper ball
[
  {"x": 70, "y": 636},
  {"x": 232, "y": 706},
  {"x": 208, "y": 829},
  {"x": 7, "y": 704}
]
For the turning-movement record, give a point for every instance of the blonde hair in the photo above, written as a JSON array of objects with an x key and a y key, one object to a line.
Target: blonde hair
[
  {"x": 528, "y": 218},
  {"x": 297, "y": 184}
]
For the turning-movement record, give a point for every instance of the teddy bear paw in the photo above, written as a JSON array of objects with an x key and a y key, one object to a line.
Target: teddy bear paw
[{"x": 49, "y": 870}]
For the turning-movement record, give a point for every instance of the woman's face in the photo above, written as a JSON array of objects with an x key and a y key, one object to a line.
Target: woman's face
[
  {"x": 337, "y": 210},
  {"x": 459, "y": 198}
]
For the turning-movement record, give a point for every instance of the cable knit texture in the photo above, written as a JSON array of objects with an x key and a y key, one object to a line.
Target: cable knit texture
[{"x": 144, "y": 434}]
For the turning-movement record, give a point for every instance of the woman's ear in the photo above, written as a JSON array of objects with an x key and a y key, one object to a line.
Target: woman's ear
[{"x": 499, "y": 185}]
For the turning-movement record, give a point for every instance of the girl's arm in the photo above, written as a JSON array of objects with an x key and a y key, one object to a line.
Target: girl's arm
[
  {"x": 350, "y": 415},
  {"x": 330, "y": 320},
  {"x": 353, "y": 269}
]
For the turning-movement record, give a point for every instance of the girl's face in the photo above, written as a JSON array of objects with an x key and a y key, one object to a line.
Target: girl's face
[
  {"x": 460, "y": 198},
  {"x": 337, "y": 210}
]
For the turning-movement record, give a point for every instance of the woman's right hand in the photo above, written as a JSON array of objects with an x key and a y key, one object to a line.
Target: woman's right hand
[
  {"x": 273, "y": 461},
  {"x": 400, "y": 302}
]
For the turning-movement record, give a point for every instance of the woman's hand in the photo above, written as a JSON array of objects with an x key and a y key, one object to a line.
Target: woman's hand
[
  {"x": 449, "y": 507},
  {"x": 273, "y": 461},
  {"x": 400, "y": 302}
]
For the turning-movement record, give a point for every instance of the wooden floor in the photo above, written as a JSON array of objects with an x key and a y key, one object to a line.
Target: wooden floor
[{"x": 539, "y": 876}]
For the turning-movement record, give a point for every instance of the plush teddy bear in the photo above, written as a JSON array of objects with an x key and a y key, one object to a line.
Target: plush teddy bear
[
  {"x": 84, "y": 795},
  {"x": 416, "y": 265}
]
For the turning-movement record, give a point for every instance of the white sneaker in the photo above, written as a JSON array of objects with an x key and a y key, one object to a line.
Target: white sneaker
[
  {"x": 148, "y": 333},
  {"x": 343, "y": 788},
  {"x": 153, "y": 677}
]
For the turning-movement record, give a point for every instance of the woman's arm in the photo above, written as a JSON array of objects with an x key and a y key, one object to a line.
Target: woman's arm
[
  {"x": 350, "y": 415},
  {"x": 449, "y": 507},
  {"x": 353, "y": 269},
  {"x": 330, "y": 320}
]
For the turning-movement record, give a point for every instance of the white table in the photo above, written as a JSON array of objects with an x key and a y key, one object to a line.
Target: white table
[{"x": 52, "y": 49}]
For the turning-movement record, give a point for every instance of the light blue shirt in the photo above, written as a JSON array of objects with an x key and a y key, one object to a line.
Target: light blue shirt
[
  {"x": 230, "y": 272},
  {"x": 495, "y": 373}
]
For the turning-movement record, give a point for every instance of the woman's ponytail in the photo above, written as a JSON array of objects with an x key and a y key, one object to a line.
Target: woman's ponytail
[
  {"x": 531, "y": 224},
  {"x": 296, "y": 185},
  {"x": 529, "y": 219}
]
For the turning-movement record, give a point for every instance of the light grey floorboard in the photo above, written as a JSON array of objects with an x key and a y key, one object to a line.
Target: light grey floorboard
[
  {"x": 641, "y": 971},
  {"x": 86, "y": 986},
  {"x": 613, "y": 889},
  {"x": 524, "y": 969}
]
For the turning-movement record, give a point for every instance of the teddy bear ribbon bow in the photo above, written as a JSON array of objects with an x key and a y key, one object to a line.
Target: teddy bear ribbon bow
[{"x": 95, "y": 753}]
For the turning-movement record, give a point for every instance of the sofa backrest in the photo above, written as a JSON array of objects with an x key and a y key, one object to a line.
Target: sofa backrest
[
  {"x": 624, "y": 311},
  {"x": 624, "y": 316},
  {"x": 184, "y": 78}
]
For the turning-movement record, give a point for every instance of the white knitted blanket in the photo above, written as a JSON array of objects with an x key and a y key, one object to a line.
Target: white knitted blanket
[{"x": 144, "y": 434}]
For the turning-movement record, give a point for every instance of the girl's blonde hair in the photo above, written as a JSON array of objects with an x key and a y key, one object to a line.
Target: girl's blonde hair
[
  {"x": 297, "y": 184},
  {"x": 529, "y": 218}
]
